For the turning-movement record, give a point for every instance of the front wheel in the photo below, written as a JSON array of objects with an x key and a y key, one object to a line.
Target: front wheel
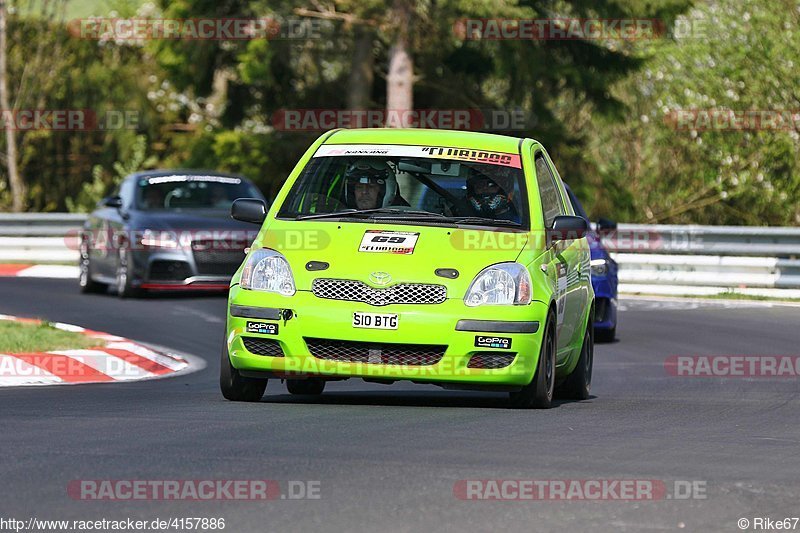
[
  {"x": 125, "y": 288},
  {"x": 85, "y": 282},
  {"x": 606, "y": 335},
  {"x": 236, "y": 387},
  {"x": 538, "y": 394}
]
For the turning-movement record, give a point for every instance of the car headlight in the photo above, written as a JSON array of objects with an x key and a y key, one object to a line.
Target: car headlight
[
  {"x": 159, "y": 239},
  {"x": 501, "y": 284},
  {"x": 269, "y": 271},
  {"x": 599, "y": 267}
]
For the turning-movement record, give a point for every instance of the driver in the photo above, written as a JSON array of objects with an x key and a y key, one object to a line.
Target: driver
[
  {"x": 153, "y": 199},
  {"x": 370, "y": 184},
  {"x": 488, "y": 199}
]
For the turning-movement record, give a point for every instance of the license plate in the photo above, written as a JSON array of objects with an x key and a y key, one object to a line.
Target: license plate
[{"x": 374, "y": 320}]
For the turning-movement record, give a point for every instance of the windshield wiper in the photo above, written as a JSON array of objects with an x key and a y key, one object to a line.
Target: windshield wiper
[
  {"x": 366, "y": 213},
  {"x": 484, "y": 221}
]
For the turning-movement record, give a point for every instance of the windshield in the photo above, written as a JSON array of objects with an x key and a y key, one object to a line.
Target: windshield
[
  {"x": 191, "y": 192},
  {"x": 406, "y": 182}
]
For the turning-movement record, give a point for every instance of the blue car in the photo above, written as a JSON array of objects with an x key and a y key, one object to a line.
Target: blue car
[{"x": 604, "y": 276}]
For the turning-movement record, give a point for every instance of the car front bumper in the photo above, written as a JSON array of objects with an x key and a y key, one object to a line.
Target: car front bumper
[
  {"x": 176, "y": 270},
  {"x": 306, "y": 322}
]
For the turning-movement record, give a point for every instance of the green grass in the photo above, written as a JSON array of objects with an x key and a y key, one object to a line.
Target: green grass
[{"x": 16, "y": 337}]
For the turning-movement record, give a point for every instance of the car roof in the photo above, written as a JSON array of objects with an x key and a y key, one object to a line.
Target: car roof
[{"x": 427, "y": 137}]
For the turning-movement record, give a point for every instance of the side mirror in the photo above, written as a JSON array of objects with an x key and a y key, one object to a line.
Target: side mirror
[
  {"x": 605, "y": 224},
  {"x": 568, "y": 227},
  {"x": 250, "y": 210},
  {"x": 112, "y": 201}
]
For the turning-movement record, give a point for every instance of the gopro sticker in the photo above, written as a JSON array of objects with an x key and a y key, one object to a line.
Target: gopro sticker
[
  {"x": 264, "y": 328},
  {"x": 504, "y": 343}
]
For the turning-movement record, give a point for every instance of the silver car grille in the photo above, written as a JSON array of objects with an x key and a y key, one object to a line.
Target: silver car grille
[{"x": 358, "y": 291}]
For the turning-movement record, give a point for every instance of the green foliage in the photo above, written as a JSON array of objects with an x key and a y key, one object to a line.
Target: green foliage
[
  {"x": 602, "y": 107},
  {"x": 741, "y": 57},
  {"x": 102, "y": 182}
]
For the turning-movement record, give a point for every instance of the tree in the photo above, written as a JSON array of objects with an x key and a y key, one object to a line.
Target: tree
[
  {"x": 15, "y": 181},
  {"x": 733, "y": 56}
]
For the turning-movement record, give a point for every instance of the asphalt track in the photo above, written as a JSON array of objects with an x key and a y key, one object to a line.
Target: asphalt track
[{"x": 387, "y": 457}]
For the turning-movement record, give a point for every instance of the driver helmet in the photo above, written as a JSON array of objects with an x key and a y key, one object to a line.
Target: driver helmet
[{"x": 374, "y": 171}]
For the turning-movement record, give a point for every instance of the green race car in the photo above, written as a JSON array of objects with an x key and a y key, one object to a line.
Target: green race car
[{"x": 443, "y": 257}]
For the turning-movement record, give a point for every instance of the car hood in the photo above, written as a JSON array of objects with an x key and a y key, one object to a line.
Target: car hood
[
  {"x": 213, "y": 230},
  {"x": 338, "y": 244},
  {"x": 178, "y": 221}
]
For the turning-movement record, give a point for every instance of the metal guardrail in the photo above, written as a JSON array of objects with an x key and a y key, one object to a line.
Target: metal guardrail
[
  {"x": 706, "y": 257},
  {"x": 39, "y": 237},
  {"x": 781, "y": 242},
  {"x": 658, "y": 256},
  {"x": 39, "y": 224}
]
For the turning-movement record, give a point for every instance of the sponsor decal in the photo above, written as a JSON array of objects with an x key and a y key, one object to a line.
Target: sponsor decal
[
  {"x": 394, "y": 242},
  {"x": 504, "y": 343},
  {"x": 264, "y": 328},
  {"x": 435, "y": 152}
]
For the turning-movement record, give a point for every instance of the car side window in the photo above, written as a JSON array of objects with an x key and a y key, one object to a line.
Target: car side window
[{"x": 552, "y": 206}]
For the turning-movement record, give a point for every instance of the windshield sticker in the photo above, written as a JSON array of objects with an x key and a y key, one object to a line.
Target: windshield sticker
[
  {"x": 436, "y": 152},
  {"x": 393, "y": 242},
  {"x": 177, "y": 178}
]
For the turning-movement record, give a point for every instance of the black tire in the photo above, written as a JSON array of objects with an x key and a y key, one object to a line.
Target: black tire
[
  {"x": 606, "y": 335},
  {"x": 234, "y": 386},
  {"x": 311, "y": 386},
  {"x": 578, "y": 385},
  {"x": 85, "y": 282},
  {"x": 538, "y": 394},
  {"x": 125, "y": 288}
]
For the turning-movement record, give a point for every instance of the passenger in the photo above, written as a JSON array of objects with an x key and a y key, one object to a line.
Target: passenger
[{"x": 488, "y": 199}]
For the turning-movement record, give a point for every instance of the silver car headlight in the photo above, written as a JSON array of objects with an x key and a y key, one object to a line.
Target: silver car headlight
[
  {"x": 159, "y": 239},
  {"x": 269, "y": 271},
  {"x": 501, "y": 284},
  {"x": 599, "y": 267}
]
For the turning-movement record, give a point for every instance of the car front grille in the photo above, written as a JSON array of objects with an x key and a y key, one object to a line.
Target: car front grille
[
  {"x": 216, "y": 258},
  {"x": 490, "y": 360},
  {"x": 357, "y": 291},
  {"x": 375, "y": 353},
  {"x": 169, "y": 270},
  {"x": 259, "y": 346}
]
